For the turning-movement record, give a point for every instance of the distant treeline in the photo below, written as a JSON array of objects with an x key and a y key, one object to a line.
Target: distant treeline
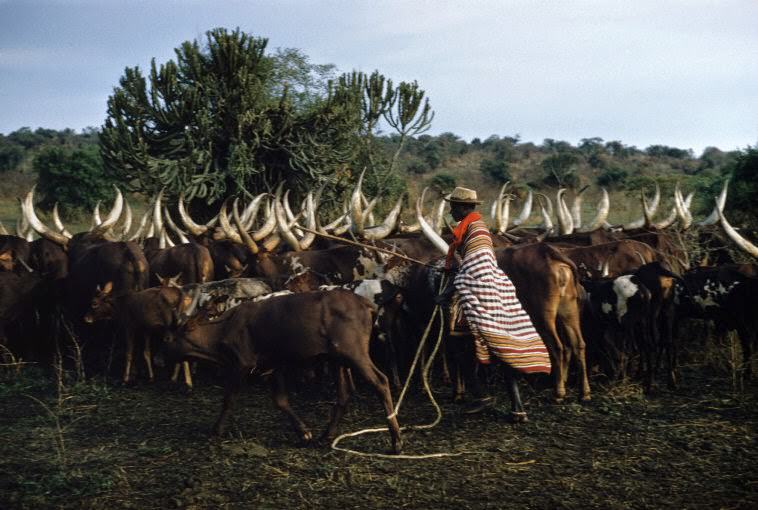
[{"x": 435, "y": 160}]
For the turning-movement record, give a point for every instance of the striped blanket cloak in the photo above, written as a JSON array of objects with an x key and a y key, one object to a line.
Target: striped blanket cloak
[{"x": 492, "y": 312}]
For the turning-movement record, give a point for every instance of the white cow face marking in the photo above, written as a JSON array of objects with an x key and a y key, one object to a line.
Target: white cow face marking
[
  {"x": 624, "y": 289},
  {"x": 607, "y": 308}
]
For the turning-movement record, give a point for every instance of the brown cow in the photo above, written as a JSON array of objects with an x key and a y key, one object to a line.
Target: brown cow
[
  {"x": 192, "y": 262},
  {"x": 262, "y": 336},
  {"x": 146, "y": 314},
  {"x": 547, "y": 284},
  {"x": 616, "y": 257}
]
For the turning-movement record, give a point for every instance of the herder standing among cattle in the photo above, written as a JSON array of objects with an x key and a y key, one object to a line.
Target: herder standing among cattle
[{"x": 484, "y": 304}]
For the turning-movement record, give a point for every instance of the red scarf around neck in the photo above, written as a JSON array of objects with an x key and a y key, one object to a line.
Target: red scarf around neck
[{"x": 458, "y": 232}]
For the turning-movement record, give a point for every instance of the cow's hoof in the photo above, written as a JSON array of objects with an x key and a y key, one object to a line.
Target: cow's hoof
[
  {"x": 397, "y": 447},
  {"x": 519, "y": 417},
  {"x": 585, "y": 398}
]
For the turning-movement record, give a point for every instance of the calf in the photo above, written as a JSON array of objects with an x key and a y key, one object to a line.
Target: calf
[
  {"x": 263, "y": 336},
  {"x": 145, "y": 314},
  {"x": 615, "y": 319}
]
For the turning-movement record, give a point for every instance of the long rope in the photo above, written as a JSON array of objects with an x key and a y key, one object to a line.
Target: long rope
[{"x": 425, "y": 380}]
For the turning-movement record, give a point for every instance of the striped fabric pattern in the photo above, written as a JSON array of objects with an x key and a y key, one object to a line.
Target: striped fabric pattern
[{"x": 492, "y": 312}]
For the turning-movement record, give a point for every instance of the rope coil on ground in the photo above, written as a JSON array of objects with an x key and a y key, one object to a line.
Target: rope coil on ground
[{"x": 427, "y": 389}]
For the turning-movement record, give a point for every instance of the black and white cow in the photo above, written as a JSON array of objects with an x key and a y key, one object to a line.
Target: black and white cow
[
  {"x": 726, "y": 295},
  {"x": 615, "y": 321},
  {"x": 220, "y": 296}
]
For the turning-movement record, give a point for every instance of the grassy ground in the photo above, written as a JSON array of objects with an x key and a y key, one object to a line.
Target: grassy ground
[{"x": 146, "y": 446}]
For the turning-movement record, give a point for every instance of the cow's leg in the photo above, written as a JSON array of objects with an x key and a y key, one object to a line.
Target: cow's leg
[
  {"x": 129, "y": 340},
  {"x": 578, "y": 349},
  {"x": 148, "y": 356},
  {"x": 232, "y": 386},
  {"x": 671, "y": 348},
  {"x": 545, "y": 321},
  {"x": 379, "y": 381},
  {"x": 187, "y": 374},
  {"x": 281, "y": 401},
  {"x": 340, "y": 406}
]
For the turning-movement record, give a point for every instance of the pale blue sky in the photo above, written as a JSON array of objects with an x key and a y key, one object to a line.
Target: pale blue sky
[{"x": 680, "y": 73}]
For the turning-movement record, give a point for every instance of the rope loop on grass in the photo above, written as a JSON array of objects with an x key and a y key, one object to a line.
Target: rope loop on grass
[{"x": 427, "y": 389}]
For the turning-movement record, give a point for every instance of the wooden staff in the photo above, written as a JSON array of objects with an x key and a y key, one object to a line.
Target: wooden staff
[{"x": 367, "y": 246}]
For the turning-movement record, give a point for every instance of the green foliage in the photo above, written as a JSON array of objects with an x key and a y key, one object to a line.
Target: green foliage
[
  {"x": 613, "y": 177},
  {"x": 496, "y": 169},
  {"x": 417, "y": 166},
  {"x": 669, "y": 152},
  {"x": 208, "y": 124},
  {"x": 11, "y": 154},
  {"x": 743, "y": 192},
  {"x": 560, "y": 169},
  {"x": 73, "y": 177},
  {"x": 443, "y": 183}
]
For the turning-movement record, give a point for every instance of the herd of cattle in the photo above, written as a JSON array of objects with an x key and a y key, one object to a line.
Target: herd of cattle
[{"x": 256, "y": 289}]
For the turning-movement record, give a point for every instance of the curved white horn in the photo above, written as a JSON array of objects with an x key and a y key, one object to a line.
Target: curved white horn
[
  {"x": 714, "y": 216},
  {"x": 268, "y": 226},
  {"x": 438, "y": 220},
  {"x": 564, "y": 217},
  {"x": 96, "y": 221},
  {"x": 3, "y": 232},
  {"x": 141, "y": 226},
  {"x": 603, "y": 207},
  {"x": 157, "y": 216},
  {"x": 28, "y": 213},
  {"x": 684, "y": 214},
  {"x": 127, "y": 225},
  {"x": 114, "y": 215},
  {"x": 189, "y": 224},
  {"x": 179, "y": 232},
  {"x": 58, "y": 223},
  {"x": 735, "y": 236},
  {"x": 245, "y": 237},
  {"x": 226, "y": 227},
  {"x": 576, "y": 208},
  {"x": 283, "y": 228},
  {"x": 427, "y": 229},
  {"x": 356, "y": 206},
  {"x": 386, "y": 228},
  {"x": 251, "y": 211},
  {"x": 546, "y": 220},
  {"x": 505, "y": 209},
  {"x": 310, "y": 213},
  {"x": 498, "y": 209},
  {"x": 526, "y": 210}
]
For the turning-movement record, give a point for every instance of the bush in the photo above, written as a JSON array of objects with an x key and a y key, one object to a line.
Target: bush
[
  {"x": 613, "y": 177},
  {"x": 443, "y": 183},
  {"x": 74, "y": 178},
  {"x": 496, "y": 169}
]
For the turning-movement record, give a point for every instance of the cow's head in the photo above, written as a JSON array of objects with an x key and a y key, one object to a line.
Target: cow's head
[
  {"x": 6, "y": 261},
  {"x": 101, "y": 306}
]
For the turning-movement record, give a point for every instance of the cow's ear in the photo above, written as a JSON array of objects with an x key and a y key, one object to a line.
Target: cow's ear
[
  {"x": 5, "y": 255},
  {"x": 108, "y": 288}
]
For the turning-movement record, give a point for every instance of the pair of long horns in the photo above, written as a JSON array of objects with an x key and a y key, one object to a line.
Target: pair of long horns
[
  {"x": 501, "y": 210},
  {"x": 61, "y": 238},
  {"x": 426, "y": 228}
]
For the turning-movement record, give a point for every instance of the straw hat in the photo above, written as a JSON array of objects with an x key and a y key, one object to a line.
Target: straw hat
[{"x": 463, "y": 196}]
